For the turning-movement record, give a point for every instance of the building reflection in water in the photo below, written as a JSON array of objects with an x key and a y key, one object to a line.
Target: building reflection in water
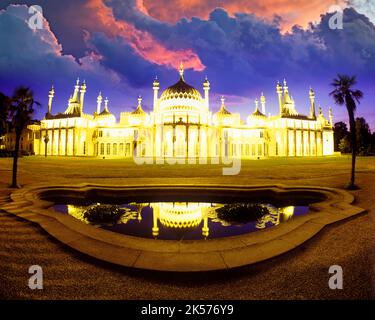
[{"x": 185, "y": 216}]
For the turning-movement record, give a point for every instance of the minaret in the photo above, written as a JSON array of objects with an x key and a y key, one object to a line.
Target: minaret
[
  {"x": 76, "y": 88},
  {"x": 206, "y": 89},
  {"x": 83, "y": 91},
  {"x": 280, "y": 94},
  {"x": 50, "y": 98},
  {"x": 312, "y": 104},
  {"x": 263, "y": 103},
  {"x": 106, "y": 104},
  {"x": 330, "y": 117},
  {"x": 155, "y": 87},
  {"x": 99, "y": 103}
]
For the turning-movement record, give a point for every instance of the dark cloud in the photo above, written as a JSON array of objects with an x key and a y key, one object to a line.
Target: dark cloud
[{"x": 243, "y": 54}]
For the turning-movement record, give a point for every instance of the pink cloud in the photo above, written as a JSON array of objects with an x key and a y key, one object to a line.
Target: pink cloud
[
  {"x": 299, "y": 12},
  {"x": 141, "y": 42}
]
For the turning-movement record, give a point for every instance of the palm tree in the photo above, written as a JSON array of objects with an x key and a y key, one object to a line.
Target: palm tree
[
  {"x": 344, "y": 93},
  {"x": 21, "y": 111}
]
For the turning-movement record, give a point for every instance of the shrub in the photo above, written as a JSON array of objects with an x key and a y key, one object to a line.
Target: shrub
[
  {"x": 103, "y": 213},
  {"x": 241, "y": 212}
]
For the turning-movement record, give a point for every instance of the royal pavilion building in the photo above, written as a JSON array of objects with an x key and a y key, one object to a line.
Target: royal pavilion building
[{"x": 182, "y": 126}]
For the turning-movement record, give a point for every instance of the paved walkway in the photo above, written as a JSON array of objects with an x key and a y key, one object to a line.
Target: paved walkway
[{"x": 300, "y": 274}]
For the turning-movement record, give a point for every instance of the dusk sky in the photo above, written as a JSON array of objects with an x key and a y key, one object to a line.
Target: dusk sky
[{"x": 243, "y": 46}]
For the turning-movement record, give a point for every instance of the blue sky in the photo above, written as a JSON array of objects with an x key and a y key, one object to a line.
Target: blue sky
[{"x": 244, "y": 47}]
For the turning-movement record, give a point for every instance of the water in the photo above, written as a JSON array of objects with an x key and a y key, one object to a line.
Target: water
[{"x": 183, "y": 220}]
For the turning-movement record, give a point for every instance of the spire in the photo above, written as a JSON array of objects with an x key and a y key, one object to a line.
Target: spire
[
  {"x": 181, "y": 70},
  {"x": 139, "y": 109},
  {"x": 50, "y": 98},
  {"x": 83, "y": 91},
  {"x": 256, "y": 105},
  {"x": 76, "y": 88},
  {"x": 156, "y": 83},
  {"x": 106, "y": 105},
  {"x": 330, "y": 117},
  {"x": 99, "y": 102},
  {"x": 156, "y": 91},
  {"x": 206, "y": 83},
  {"x": 287, "y": 99},
  {"x": 312, "y": 104},
  {"x": 280, "y": 95},
  {"x": 206, "y": 89},
  {"x": 263, "y": 103},
  {"x": 222, "y": 99},
  {"x": 223, "y": 110}
]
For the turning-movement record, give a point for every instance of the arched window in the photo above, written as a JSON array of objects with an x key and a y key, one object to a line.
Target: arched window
[
  {"x": 108, "y": 149},
  {"x": 102, "y": 149},
  {"x": 114, "y": 151}
]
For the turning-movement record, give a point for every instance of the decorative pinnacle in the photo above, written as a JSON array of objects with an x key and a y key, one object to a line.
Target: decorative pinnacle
[
  {"x": 262, "y": 99},
  {"x": 181, "y": 69},
  {"x": 222, "y": 101},
  {"x": 77, "y": 82},
  {"x": 52, "y": 91},
  {"x": 312, "y": 93},
  {"x": 100, "y": 96},
  {"x": 278, "y": 87},
  {"x": 139, "y": 100}
]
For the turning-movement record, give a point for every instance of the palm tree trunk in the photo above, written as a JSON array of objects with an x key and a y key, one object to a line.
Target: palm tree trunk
[
  {"x": 353, "y": 139},
  {"x": 15, "y": 161}
]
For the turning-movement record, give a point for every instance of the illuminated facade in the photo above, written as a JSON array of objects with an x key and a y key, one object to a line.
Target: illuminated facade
[{"x": 181, "y": 126}]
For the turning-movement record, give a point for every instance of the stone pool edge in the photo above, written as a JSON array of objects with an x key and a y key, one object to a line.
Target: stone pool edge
[{"x": 182, "y": 256}]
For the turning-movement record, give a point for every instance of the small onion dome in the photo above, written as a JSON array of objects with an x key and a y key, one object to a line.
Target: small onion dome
[
  {"x": 105, "y": 112},
  {"x": 257, "y": 112},
  {"x": 223, "y": 111},
  {"x": 139, "y": 109}
]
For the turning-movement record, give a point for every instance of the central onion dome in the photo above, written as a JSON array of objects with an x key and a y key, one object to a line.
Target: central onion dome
[{"x": 181, "y": 90}]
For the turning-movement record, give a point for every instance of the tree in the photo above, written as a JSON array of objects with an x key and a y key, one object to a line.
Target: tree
[
  {"x": 21, "y": 111},
  {"x": 344, "y": 94},
  {"x": 344, "y": 145},
  {"x": 363, "y": 134},
  {"x": 340, "y": 131},
  {"x": 4, "y": 113}
]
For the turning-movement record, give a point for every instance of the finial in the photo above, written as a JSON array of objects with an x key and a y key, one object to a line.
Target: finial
[
  {"x": 139, "y": 100},
  {"x": 181, "y": 69},
  {"x": 256, "y": 104},
  {"x": 77, "y": 82},
  {"x": 222, "y": 100},
  {"x": 278, "y": 87}
]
